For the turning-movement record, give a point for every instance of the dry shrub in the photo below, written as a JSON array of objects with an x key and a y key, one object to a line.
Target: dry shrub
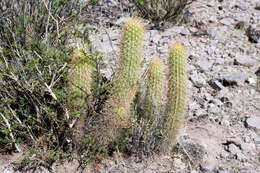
[{"x": 161, "y": 10}]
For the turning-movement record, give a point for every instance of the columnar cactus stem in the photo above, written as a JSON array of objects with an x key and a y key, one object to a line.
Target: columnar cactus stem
[
  {"x": 80, "y": 78},
  {"x": 117, "y": 109},
  {"x": 126, "y": 80},
  {"x": 176, "y": 91},
  {"x": 154, "y": 90}
]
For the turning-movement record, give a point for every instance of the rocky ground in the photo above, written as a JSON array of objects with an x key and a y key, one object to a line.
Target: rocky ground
[{"x": 221, "y": 133}]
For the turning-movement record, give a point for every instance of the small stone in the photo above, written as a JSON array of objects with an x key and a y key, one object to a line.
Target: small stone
[
  {"x": 190, "y": 68},
  {"x": 207, "y": 167},
  {"x": 185, "y": 31},
  {"x": 253, "y": 122},
  {"x": 205, "y": 65},
  {"x": 197, "y": 80},
  {"x": 251, "y": 81},
  {"x": 208, "y": 97},
  {"x": 219, "y": 61},
  {"x": 223, "y": 171},
  {"x": 211, "y": 33},
  {"x": 234, "y": 79},
  {"x": 179, "y": 164},
  {"x": 181, "y": 30},
  {"x": 212, "y": 19},
  {"x": 200, "y": 112},
  {"x": 226, "y": 21},
  {"x": 253, "y": 34},
  {"x": 245, "y": 61},
  {"x": 233, "y": 149},
  {"x": 257, "y": 73},
  {"x": 247, "y": 147},
  {"x": 201, "y": 101},
  {"x": 255, "y": 137},
  {"x": 214, "y": 83},
  {"x": 241, "y": 156},
  {"x": 213, "y": 109}
]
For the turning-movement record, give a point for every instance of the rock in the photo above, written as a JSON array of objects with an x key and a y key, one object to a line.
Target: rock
[
  {"x": 226, "y": 21},
  {"x": 200, "y": 112},
  {"x": 245, "y": 61},
  {"x": 253, "y": 34},
  {"x": 213, "y": 109},
  {"x": 208, "y": 97},
  {"x": 178, "y": 163},
  {"x": 233, "y": 149},
  {"x": 207, "y": 167},
  {"x": 214, "y": 83},
  {"x": 211, "y": 33},
  {"x": 241, "y": 156},
  {"x": 257, "y": 73},
  {"x": 201, "y": 101},
  {"x": 219, "y": 61},
  {"x": 197, "y": 80},
  {"x": 256, "y": 138},
  {"x": 253, "y": 122},
  {"x": 205, "y": 65},
  {"x": 257, "y": 7},
  {"x": 185, "y": 31},
  {"x": 251, "y": 81},
  {"x": 212, "y": 19},
  {"x": 190, "y": 68},
  {"x": 247, "y": 147},
  {"x": 181, "y": 30},
  {"x": 9, "y": 169},
  {"x": 235, "y": 79},
  {"x": 223, "y": 171}
]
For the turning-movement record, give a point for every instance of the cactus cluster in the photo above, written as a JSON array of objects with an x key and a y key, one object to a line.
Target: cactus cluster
[{"x": 116, "y": 114}]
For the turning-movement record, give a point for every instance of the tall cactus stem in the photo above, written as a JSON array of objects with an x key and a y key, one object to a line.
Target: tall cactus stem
[{"x": 176, "y": 92}]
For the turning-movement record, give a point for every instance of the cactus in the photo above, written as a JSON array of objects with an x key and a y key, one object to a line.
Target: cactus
[
  {"x": 154, "y": 90},
  {"x": 176, "y": 91},
  {"x": 116, "y": 113},
  {"x": 80, "y": 78},
  {"x": 129, "y": 69}
]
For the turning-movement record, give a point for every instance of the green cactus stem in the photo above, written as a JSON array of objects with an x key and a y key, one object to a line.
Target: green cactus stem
[
  {"x": 117, "y": 109},
  {"x": 126, "y": 80},
  {"x": 154, "y": 90},
  {"x": 176, "y": 91},
  {"x": 80, "y": 78}
]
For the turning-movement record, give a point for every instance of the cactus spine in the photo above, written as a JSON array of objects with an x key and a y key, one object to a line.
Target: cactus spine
[
  {"x": 154, "y": 90},
  {"x": 80, "y": 78},
  {"x": 176, "y": 91}
]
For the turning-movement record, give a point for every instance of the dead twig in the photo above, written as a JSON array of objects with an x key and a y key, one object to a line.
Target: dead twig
[{"x": 11, "y": 133}]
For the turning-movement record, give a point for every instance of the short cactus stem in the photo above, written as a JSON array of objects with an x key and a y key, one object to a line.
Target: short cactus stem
[
  {"x": 176, "y": 91},
  {"x": 154, "y": 90},
  {"x": 80, "y": 77}
]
